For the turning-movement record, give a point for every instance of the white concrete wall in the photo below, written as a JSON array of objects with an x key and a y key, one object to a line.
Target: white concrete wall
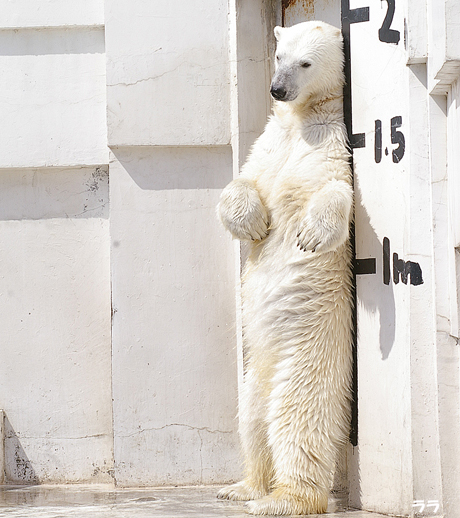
[
  {"x": 77, "y": 81},
  {"x": 443, "y": 45},
  {"x": 55, "y": 295},
  {"x": 174, "y": 357},
  {"x": 379, "y": 92},
  {"x": 51, "y": 13},
  {"x": 167, "y": 73},
  {"x": 443, "y": 70},
  {"x": 78, "y": 78},
  {"x": 53, "y": 102},
  {"x": 174, "y": 333},
  {"x": 55, "y": 353},
  {"x": 55, "y": 318}
]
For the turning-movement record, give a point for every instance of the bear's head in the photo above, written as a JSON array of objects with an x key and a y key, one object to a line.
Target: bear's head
[{"x": 308, "y": 61}]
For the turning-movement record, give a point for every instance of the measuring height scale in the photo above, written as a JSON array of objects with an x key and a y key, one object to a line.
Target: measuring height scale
[
  {"x": 390, "y": 462},
  {"x": 385, "y": 111}
]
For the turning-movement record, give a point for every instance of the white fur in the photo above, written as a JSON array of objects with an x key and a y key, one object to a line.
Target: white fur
[{"x": 294, "y": 200}]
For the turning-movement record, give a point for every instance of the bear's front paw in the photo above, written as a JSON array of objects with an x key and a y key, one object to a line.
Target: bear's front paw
[
  {"x": 326, "y": 223},
  {"x": 318, "y": 234},
  {"x": 242, "y": 212}
]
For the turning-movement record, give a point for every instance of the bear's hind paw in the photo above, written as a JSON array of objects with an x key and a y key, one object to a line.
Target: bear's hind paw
[
  {"x": 240, "y": 491},
  {"x": 280, "y": 502}
]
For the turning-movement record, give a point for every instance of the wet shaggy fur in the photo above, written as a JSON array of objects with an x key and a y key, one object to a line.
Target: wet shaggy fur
[{"x": 293, "y": 202}]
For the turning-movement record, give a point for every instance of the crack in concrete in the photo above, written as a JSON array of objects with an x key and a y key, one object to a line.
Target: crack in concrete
[
  {"x": 152, "y": 78},
  {"x": 143, "y": 80},
  {"x": 198, "y": 429},
  {"x": 201, "y": 457}
]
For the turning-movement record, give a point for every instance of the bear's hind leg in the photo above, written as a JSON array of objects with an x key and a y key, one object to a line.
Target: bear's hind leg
[
  {"x": 283, "y": 502},
  {"x": 254, "y": 440},
  {"x": 308, "y": 421},
  {"x": 303, "y": 474}
]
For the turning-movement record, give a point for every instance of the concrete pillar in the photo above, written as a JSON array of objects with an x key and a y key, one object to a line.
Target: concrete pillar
[
  {"x": 174, "y": 347},
  {"x": 55, "y": 362}
]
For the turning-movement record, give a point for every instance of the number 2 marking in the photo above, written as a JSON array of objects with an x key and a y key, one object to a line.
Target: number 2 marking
[{"x": 386, "y": 34}]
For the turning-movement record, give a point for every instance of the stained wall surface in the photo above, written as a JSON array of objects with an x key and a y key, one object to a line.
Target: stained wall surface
[
  {"x": 174, "y": 357},
  {"x": 55, "y": 353},
  {"x": 174, "y": 350},
  {"x": 119, "y": 358}
]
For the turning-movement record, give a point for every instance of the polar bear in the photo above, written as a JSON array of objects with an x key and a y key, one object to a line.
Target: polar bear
[{"x": 293, "y": 203}]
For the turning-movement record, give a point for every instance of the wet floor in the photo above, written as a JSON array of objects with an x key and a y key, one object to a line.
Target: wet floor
[{"x": 106, "y": 502}]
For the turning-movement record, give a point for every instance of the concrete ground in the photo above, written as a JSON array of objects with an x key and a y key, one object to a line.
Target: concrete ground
[{"x": 106, "y": 502}]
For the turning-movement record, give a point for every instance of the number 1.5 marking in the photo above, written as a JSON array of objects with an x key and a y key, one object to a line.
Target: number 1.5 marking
[{"x": 397, "y": 137}]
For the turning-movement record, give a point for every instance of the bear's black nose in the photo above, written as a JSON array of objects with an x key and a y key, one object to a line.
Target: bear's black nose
[{"x": 278, "y": 92}]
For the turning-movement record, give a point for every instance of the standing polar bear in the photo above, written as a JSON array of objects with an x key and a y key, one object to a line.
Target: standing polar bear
[{"x": 293, "y": 202}]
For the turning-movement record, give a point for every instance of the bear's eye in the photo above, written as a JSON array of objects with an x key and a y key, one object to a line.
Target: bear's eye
[
  {"x": 277, "y": 58},
  {"x": 306, "y": 64}
]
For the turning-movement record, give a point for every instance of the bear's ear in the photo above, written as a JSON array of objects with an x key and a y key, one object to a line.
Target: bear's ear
[{"x": 277, "y": 30}]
